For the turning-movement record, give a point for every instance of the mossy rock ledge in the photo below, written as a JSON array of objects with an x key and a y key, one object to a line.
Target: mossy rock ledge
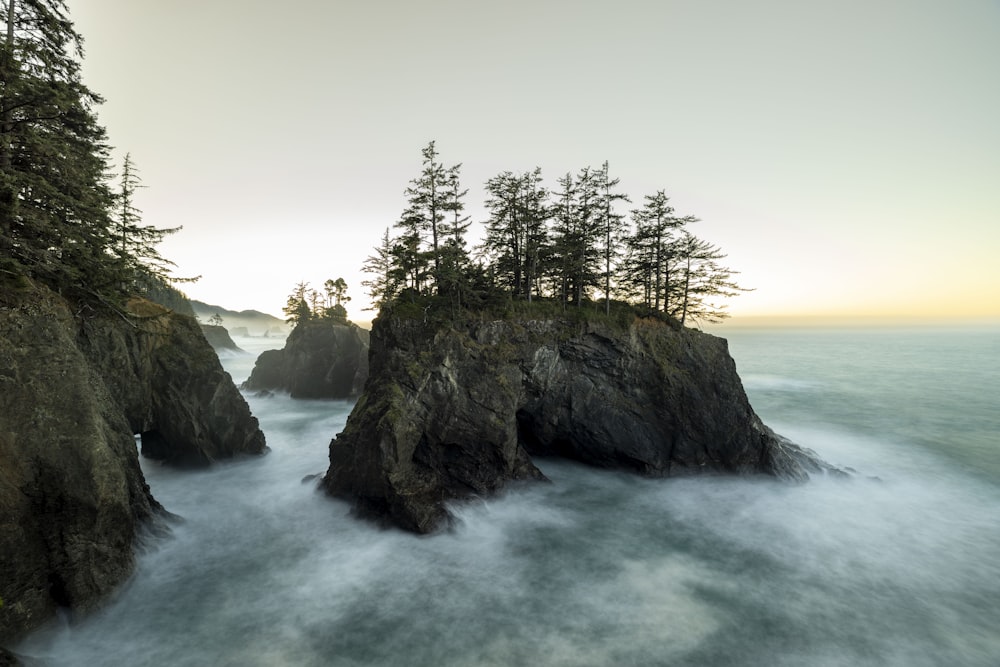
[
  {"x": 75, "y": 389},
  {"x": 459, "y": 410}
]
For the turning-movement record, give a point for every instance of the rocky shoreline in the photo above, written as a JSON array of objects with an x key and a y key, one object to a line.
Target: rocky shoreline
[{"x": 76, "y": 388}]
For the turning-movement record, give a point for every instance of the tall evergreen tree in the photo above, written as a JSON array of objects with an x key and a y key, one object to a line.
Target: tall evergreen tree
[
  {"x": 653, "y": 248},
  {"x": 702, "y": 281},
  {"x": 516, "y": 232},
  {"x": 135, "y": 243},
  {"x": 427, "y": 197},
  {"x": 564, "y": 236},
  {"x": 54, "y": 200},
  {"x": 576, "y": 233},
  {"x": 410, "y": 261},
  {"x": 454, "y": 256},
  {"x": 611, "y": 228},
  {"x": 383, "y": 285},
  {"x": 504, "y": 242}
]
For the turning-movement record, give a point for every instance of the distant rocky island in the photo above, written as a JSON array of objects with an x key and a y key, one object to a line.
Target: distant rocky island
[
  {"x": 459, "y": 408},
  {"x": 322, "y": 358}
]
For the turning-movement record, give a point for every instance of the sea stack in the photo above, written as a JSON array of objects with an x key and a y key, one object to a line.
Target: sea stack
[{"x": 459, "y": 409}]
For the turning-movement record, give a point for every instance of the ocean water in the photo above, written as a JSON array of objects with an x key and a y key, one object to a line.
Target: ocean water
[{"x": 898, "y": 565}]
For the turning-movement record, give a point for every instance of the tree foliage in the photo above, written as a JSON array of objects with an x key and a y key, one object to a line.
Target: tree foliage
[
  {"x": 61, "y": 221},
  {"x": 567, "y": 245},
  {"x": 306, "y": 304}
]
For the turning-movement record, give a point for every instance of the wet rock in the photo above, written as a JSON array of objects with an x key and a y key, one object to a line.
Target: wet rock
[
  {"x": 455, "y": 411},
  {"x": 218, "y": 337},
  {"x": 74, "y": 389}
]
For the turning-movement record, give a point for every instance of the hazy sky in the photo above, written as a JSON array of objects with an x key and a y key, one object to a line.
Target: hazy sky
[{"x": 846, "y": 155}]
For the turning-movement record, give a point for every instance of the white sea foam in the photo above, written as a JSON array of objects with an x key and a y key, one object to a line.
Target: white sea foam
[{"x": 896, "y": 566}]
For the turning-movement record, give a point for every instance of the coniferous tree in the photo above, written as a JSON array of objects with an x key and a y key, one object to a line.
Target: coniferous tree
[
  {"x": 410, "y": 262},
  {"x": 382, "y": 286},
  {"x": 135, "y": 243},
  {"x": 297, "y": 308},
  {"x": 536, "y": 214},
  {"x": 611, "y": 228},
  {"x": 702, "y": 281},
  {"x": 454, "y": 256},
  {"x": 576, "y": 233},
  {"x": 336, "y": 297},
  {"x": 562, "y": 237},
  {"x": 427, "y": 197},
  {"x": 516, "y": 231},
  {"x": 653, "y": 249},
  {"x": 503, "y": 240},
  {"x": 54, "y": 201}
]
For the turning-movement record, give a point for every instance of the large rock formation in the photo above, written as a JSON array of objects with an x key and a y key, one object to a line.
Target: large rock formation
[
  {"x": 74, "y": 389},
  {"x": 321, "y": 359},
  {"x": 454, "y": 411}
]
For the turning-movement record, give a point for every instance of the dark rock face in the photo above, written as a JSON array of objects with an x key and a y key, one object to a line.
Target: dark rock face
[
  {"x": 173, "y": 390},
  {"x": 320, "y": 360},
  {"x": 72, "y": 395},
  {"x": 218, "y": 337},
  {"x": 455, "y": 412}
]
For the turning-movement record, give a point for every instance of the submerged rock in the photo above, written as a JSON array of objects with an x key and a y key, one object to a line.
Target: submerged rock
[
  {"x": 74, "y": 391},
  {"x": 456, "y": 411},
  {"x": 321, "y": 359}
]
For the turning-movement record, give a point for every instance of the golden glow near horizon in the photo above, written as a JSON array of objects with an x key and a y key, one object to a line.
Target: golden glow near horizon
[{"x": 844, "y": 155}]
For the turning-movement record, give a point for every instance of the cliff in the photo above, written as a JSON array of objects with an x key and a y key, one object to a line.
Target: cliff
[
  {"x": 455, "y": 411},
  {"x": 320, "y": 359},
  {"x": 75, "y": 388}
]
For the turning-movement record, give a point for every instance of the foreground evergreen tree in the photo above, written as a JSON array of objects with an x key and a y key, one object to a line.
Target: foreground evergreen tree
[
  {"x": 54, "y": 201},
  {"x": 61, "y": 223}
]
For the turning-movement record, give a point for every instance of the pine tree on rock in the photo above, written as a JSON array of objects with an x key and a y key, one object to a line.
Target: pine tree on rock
[
  {"x": 702, "y": 281},
  {"x": 611, "y": 228},
  {"x": 383, "y": 285},
  {"x": 652, "y": 246}
]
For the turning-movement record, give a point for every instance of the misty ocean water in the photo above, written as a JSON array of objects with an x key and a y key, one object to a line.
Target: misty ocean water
[{"x": 898, "y": 565}]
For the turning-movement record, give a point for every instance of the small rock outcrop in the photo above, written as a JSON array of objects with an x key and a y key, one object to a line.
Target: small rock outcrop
[
  {"x": 459, "y": 410},
  {"x": 75, "y": 388},
  {"x": 220, "y": 340},
  {"x": 320, "y": 359}
]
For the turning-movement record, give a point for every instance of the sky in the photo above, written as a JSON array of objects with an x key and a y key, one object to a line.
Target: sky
[{"x": 845, "y": 155}]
